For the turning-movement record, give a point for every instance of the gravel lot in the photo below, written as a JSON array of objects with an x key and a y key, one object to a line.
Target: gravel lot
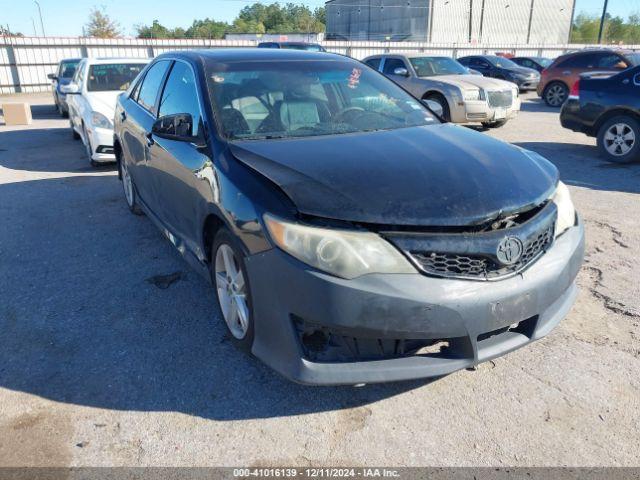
[{"x": 102, "y": 362}]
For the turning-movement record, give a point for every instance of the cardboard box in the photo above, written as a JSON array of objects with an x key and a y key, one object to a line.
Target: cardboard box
[{"x": 16, "y": 113}]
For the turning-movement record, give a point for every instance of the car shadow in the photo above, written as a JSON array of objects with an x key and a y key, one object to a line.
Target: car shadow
[
  {"x": 580, "y": 165},
  {"x": 537, "y": 105},
  {"x": 98, "y": 309},
  {"x": 31, "y": 150}
]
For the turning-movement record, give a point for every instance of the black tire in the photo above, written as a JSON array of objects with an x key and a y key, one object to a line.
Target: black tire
[
  {"x": 88, "y": 149},
  {"x": 555, "y": 94},
  {"x": 75, "y": 135},
  {"x": 624, "y": 133},
  {"x": 496, "y": 124},
  {"x": 224, "y": 237},
  {"x": 61, "y": 111},
  {"x": 438, "y": 98},
  {"x": 132, "y": 201}
]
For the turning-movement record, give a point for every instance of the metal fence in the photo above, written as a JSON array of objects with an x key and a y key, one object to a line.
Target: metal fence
[{"x": 26, "y": 61}]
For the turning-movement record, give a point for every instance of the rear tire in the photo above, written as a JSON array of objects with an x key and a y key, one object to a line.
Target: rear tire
[
  {"x": 619, "y": 139},
  {"x": 440, "y": 100},
  {"x": 232, "y": 290},
  {"x": 555, "y": 94},
  {"x": 130, "y": 193}
]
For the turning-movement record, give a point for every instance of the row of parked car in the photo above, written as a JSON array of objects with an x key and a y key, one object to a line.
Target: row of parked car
[{"x": 351, "y": 235}]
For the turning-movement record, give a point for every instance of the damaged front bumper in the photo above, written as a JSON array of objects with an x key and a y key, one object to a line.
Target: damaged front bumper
[{"x": 314, "y": 328}]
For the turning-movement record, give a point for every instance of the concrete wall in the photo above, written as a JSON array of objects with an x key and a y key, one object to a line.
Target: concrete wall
[{"x": 26, "y": 61}]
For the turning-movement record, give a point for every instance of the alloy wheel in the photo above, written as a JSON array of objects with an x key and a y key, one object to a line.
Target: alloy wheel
[
  {"x": 127, "y": 184},
  {"x": 619, "y": 139},
  {"x": 556, "y": 95},
  {"x": 232, "y": 291}
]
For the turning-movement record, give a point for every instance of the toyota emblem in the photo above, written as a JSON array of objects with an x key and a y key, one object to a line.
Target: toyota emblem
[{"x": 509, "y": 250}]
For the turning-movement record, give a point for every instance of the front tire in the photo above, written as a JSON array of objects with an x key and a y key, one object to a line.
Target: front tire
[
  {"x": 440, "y": 100},
  {"x": 555, "y": 94},
  {"x": 130, "y": 194},
  {"x": 75, "y": 135},
  {"x": 233, "y": 294},
  {"x": 619, "y": 139},
  {"x": 496, "y": 124}
]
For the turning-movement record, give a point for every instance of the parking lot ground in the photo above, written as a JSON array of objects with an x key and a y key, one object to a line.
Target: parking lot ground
[{"x": 104, "y": 360}]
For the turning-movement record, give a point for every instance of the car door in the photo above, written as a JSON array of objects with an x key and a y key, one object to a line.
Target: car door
[
  {"x": 74, "y": 101},
  {"x": 178, "y": 163},
  {"x": 482, "y": 66},
  {"x": 137, "y": 119}
]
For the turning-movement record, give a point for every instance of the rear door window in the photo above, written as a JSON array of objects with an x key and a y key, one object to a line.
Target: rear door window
[
  {"x": 612, "y": 62},
  {"x": 151, "y": 85},
  {"x": 374, "y": 63}
]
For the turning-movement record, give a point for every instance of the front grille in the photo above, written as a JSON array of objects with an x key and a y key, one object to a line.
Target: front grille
[
  {"x": 500, "y": 99},
  {"x": 482, "y": 266}
]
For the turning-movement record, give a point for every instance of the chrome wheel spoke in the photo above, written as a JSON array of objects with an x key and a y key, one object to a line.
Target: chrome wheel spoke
[{"x": 231, "y": 289}]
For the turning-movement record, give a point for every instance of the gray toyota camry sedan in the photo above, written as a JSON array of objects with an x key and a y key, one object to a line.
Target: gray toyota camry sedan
[{"x": 349, "y": 235}]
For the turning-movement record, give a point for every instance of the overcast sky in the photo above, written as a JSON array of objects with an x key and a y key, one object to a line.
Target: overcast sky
[{"x": 66, "y": 17}]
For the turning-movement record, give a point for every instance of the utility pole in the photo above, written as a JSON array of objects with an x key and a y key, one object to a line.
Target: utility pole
[
  {"x": 40, "y": 13},
  {"x": 604, "y": 14},
  {"x": 470, "y": 20},
  {"x": 530, "y": 21}
]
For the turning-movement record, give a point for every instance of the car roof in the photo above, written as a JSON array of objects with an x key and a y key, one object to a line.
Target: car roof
[
  {"x": 407, "y": 55},
  {"x": 106, "y": 61},
  {"x": 230, "y": 55}
]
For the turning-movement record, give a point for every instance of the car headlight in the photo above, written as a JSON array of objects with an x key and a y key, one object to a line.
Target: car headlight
[
  {"x": 344, "y": 253},
  {"x": 100, "y": 121},
  {"x": 471, "y": 94},
  {"x": 566, "y": 210}
]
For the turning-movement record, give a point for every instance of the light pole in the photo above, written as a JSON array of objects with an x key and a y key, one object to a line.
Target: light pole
[
  {"x": 40, "y": 13},
  {"x": 604, "y": 14}
]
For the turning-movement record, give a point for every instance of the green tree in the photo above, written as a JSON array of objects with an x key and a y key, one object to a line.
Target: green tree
[
  {"x": 6, "y": 32},
  {"x": 100, "y": 25},
  {"x": 207, "y": 28}
]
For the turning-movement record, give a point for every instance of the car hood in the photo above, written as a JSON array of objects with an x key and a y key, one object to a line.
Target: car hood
[
  {"x": 441, "y": 175},
  {"x": 104, "y": 102},
  {"x": 467, "y": 81}
]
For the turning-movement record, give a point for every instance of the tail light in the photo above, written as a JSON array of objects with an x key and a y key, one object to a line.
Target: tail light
[{"x": 575, "y": 90}]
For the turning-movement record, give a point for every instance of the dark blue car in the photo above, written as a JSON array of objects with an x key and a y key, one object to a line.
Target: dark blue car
[
  {"x": 63, "y": 75},
  {"x": 504, "y": 69},
  {"x": 350, "y": 235}
]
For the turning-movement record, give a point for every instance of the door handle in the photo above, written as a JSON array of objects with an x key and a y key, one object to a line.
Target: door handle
[
  {"x": 150, "y": 140},
  {"x": 625, "y": 81},
  {"x": 567, "y": 72},
  {"x": 123, "y": 115}
]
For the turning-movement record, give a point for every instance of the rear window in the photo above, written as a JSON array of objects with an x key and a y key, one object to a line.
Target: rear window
[{"x": 112, "y": 76}]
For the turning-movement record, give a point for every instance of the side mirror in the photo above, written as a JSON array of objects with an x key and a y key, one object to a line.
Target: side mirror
[
  {"x": 70, "y": 89},
  {"x": 435, "y": 107},
  {"x": 52, "y": 76},
  {"x": 178, "y": 127},
  {"x": 402, "y": 72},
  {"x": 473, "y": 72}
]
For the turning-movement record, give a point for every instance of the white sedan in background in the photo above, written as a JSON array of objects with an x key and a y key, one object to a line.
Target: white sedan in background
[{"x": 91, "y": 98}]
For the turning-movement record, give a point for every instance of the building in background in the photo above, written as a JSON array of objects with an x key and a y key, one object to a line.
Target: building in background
[
  {"x": 451, "y": 21},
  {"x": 276, "y": 37}
]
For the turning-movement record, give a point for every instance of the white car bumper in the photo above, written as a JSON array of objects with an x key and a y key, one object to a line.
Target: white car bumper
[
  {"x": 480, "y": 111},
  {"x": 101, "y": 141}
]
